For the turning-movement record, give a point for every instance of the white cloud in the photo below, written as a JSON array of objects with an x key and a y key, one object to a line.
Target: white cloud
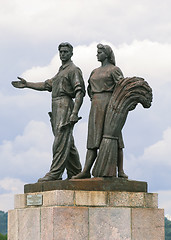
[
  {"x": 85, "y": 21},
  {"x": 28, "y": 155},
  {"x": 80, "y": 134},
  {"x": 140, "y": 58},
  {"x": 84, "y": 57},
  {"x": 164, "y": 201},
  {"x": 154, "y": 165},
  {"x": 147, "y": 59},
  {"x": 159, "y": 151},
  {"x": 22, "y": 100},
  {"x": 40, "y": 74},
  {"x": 11, "y": 186},
  {"x": 168, "y": 217}
]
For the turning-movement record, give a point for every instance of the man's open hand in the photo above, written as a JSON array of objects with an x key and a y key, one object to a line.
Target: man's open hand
[{"x": 19, "y": 84}]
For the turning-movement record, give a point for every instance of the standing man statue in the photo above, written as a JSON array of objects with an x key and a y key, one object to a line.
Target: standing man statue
[{"x": 65, "y": 85}]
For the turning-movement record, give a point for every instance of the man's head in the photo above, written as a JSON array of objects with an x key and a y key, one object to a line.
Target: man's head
[{"x": 65, "y": 51}]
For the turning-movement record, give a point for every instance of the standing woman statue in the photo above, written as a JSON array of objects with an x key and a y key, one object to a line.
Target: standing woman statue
[{"x": 102, "y": 82}]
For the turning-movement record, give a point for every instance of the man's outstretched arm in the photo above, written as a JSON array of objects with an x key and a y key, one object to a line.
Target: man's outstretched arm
[{"x": 40, "y": 86}]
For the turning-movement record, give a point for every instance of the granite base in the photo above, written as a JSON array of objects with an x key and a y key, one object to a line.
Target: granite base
[{"x": 87, "y": 215}]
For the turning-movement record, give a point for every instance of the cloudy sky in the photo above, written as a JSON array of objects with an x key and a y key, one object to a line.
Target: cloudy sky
[{"x": 139, "y": 33}]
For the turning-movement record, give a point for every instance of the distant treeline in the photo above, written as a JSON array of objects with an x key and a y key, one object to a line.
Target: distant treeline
[
  {"x": 3, "y": 237},
  {"x": 167, "y": 229},
  {"x": 3, "y": 223}
]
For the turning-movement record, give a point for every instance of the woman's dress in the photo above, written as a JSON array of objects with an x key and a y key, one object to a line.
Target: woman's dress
[{"x": 102, "y": 82}]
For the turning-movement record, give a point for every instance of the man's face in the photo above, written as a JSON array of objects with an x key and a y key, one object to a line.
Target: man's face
[{"x": 65, "y": 54}]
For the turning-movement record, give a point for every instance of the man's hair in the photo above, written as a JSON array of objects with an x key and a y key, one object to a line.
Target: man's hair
[{"x": 65, "y": 44}]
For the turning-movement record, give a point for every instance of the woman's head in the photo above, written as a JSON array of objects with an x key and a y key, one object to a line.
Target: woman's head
[{"x": 108, "y": 52}]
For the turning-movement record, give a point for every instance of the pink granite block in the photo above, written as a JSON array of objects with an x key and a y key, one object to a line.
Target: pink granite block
[
  {"x": 148, "y": 224},
  {"x": 126, "y": 199},
  {"x": 29, "y": 224},
  {"x": 13, "y": 225},
  {"x": 119, "y": 199},
  {"x": 70, "y": 223},
  {"x": 110, "y": 224},
  {"x": 20, "y": 201},
  {"x": 58, "y": 198},
  {"x": 91, "y": 198},
  {"x": 136, "y": 199},
  {"x": 47, "y": 223},
  {"x": 151, "y": 200}
]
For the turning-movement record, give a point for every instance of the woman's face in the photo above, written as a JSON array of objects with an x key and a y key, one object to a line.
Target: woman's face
[{"x": 101, "y": 55}]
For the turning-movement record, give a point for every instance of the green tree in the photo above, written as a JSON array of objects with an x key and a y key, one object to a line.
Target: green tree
[
  {"x": 3, "y": 237},
  {"x": 3, "y": 222},
  {"x": 167, "y": 229}
]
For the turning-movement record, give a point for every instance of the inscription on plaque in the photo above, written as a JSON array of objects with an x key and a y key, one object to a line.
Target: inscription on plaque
[{"x": 34, "y": 200}]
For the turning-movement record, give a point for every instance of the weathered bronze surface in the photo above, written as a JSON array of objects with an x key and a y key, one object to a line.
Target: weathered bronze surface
[
  {"x": 65, "y": 85},
  {"x": 126, "y": 95},
  {"x": 91, "y": 184},
  {"x": 112, "y": 96}
]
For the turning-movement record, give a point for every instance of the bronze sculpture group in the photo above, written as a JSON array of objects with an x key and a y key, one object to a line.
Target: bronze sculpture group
[{"x": 112, "y": 97}]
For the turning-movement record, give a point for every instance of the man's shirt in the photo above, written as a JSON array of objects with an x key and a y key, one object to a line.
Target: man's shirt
[{"x": 66, "y": 82}]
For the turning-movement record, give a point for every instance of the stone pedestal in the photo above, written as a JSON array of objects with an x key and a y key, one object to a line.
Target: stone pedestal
[{"x": 86, "y": 215}]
